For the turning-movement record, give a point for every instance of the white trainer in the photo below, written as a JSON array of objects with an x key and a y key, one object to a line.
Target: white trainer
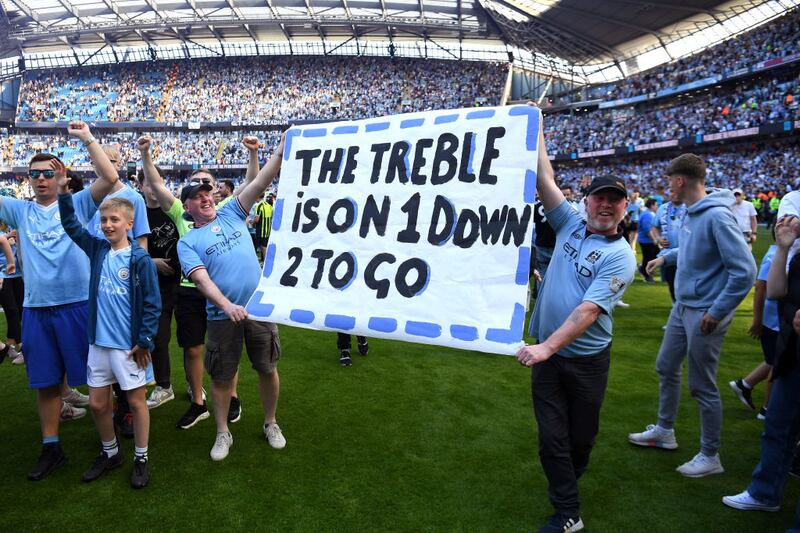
[
  {"x": 222, "y": 446},
  {"x": 274, "y": 436},
  {"x": 701, "y": 465},
  {"x": 654, "y": 436},
  {"x": 745, "y": 502},
  {"x": 160, "y": 396},
  {"x": 75, "y": 398},
  {"x": 70, "y": 412}
]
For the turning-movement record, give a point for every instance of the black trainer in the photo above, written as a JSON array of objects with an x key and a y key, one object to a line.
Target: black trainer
[
  {"x": 102, "y": 464},
  {"x": 52, "y": 457},
  {"x": 140, "y": 476},
  {"x": 234, "y": 410},
  {"x": 560, "y": 523},
  {"x": 195, "y": 414},
  {"x": 125, "y": 424},
  {"x": 363, "y": 349},
  {"x": 344, "y": 358},
  {"x": 743, "y": 393}
]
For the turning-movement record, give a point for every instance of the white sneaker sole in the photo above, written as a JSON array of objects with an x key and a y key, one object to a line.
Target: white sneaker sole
[
  {"x": 153, "y": 405},
  {"x": 218, "y": 457},
  {"x": 717, "y": 470},
  {"x": 730, "y": 502},
  {"x": 196, "y": 420},
  {"x": 738, "y": 392},
  {"x": 654, "y": 444}
]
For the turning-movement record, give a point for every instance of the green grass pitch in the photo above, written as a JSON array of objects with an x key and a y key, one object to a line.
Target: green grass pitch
[{"x": 410, "y": 438}]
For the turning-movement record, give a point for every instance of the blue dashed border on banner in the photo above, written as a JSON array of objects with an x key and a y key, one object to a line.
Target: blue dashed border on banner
[{"x": 382, "y": 324}]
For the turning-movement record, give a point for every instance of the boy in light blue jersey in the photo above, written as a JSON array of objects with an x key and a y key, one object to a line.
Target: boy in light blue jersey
[
  {"x": 218, "y": 256},
  {"x": 124, "y": 308},
  {"x": 56, "y": 287},
  {"x": 141, "y": 229},
  {"x": 12, "y": 293}
]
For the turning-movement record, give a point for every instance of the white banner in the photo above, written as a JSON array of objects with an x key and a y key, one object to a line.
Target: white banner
[{"x": 414, "y": 227}]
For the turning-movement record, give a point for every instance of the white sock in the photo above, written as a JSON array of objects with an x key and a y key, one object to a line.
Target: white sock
[
  {"x": 111, "y": 448},
  {"x": 140, "y": 452}
]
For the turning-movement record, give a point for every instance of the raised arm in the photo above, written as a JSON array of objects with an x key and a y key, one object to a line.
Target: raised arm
[
  {"x": 250, "y": 193},
  {"x": 72, "y": 226},
  {"x": 549, "y": 192},
  {"x": 252, "y": 144},
  {"x": 107, "y": 175},
  {"x": 786, "y": 231},
  {"x": 156, "y": 180}
]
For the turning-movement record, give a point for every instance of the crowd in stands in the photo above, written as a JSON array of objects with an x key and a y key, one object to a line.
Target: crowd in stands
[
  {"x": 171, "y": 148},
  {"x": 773, "y": 167},
  {"x": 755, "y": 102},
  {"x": 775, "y": 39},
  {"x": 258, "y": 89}
]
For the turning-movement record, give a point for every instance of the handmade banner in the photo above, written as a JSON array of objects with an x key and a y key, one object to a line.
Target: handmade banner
[{"x": 414, "y": 227}]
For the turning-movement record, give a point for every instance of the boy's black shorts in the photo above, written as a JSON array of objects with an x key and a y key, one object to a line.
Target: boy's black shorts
[{"x": 190, "y": 317}]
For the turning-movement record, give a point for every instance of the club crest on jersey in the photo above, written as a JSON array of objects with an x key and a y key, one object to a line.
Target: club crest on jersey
[
  {"x": 616, "y": 284},
  {"x": 215, "y": 228},
  {"x": 593, "y": 256},
  {"x": 123, "y": 273}
]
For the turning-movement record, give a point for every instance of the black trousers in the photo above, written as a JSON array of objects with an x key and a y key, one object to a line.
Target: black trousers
[
  {"x": 669, "y": 277},
  {"x": 343, "y": 341},
  {"x": 567, "y": 395},
  {"x": 649, "y": 252},
  {"x": 11, "y": 297},
  {"x": 161, "y": 367}
]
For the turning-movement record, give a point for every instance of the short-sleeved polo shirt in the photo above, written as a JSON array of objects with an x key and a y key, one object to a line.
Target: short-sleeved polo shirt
[{"x": 584, "y": 267}]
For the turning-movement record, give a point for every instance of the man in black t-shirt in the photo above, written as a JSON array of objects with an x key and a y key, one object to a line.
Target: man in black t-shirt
[{"x": 162, "y": 245}]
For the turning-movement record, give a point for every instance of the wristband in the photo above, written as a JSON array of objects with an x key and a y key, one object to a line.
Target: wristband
[{"x": 89, "y": 141}]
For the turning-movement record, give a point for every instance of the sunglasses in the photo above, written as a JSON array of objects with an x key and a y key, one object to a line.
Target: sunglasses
[
  {"x": 198, "y": 181},
  {"x": 35, "y": 173}
]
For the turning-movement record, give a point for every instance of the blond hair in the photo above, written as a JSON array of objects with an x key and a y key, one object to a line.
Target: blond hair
[
  {"x": 111, "y": 152},
  {"x": 118, "y": 204}
]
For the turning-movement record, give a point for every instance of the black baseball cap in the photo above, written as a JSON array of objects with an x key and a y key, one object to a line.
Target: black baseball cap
[
  {"x": 191, "y": 190},
  {"x": 608, "y": 181}
]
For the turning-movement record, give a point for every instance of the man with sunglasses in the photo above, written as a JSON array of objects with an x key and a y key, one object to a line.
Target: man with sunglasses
[
  {"x": 190, "y": 304},
  {"x": 56, "y": 287}
]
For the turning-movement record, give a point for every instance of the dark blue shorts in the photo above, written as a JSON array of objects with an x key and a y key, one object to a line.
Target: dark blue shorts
[
  {"x": 55, "y": 343},
  {"x": 769, "y": 339}
]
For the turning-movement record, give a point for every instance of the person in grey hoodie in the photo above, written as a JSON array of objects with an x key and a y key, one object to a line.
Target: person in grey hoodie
[{"x": 716, "y": 270}]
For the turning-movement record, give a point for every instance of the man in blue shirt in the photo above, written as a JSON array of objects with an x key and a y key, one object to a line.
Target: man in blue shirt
[
  {"x": 666, "y": 233},
  {"x": 715, "y": 272},
  {"x": 649, "y": 248},
  {"x": 218, "y": 256},
  {"x": 56, "y": 288},
  {"x": 592, "y": 264}
]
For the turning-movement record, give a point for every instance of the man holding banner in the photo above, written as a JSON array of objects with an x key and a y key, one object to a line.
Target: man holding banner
[
  {"x": 591, "y": 267},
  {"x": 218, "y": 257}
]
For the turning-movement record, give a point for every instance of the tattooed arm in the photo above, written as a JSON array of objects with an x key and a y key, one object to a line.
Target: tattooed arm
[{"x": 573, "y": 327}]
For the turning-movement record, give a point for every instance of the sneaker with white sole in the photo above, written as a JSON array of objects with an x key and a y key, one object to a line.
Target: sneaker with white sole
[
  {"x": 75, "y": 398},
  {"x": 274, "y": 436},
  {"x": 222, "y": 446},
  {"x": 70, "y": 412},
  {"x": 762, "y": 414},
  {"x": 743, "y": 393},
  {"x": 559, "y": 523},
  {"x": 160, "y": 396},
  {"x": 622, "y": 304},
  {"x": 654, "y": 436},
  {"x": 20, "y": 360},
  {"x": 745, "y": 502},
  {"x": 701, "y": 465}
]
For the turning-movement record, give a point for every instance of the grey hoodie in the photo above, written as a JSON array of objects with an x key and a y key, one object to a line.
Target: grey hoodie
[{"x": 716, "y": 270}]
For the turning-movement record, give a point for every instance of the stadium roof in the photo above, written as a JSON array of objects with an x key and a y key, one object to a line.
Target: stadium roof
[{"x": 578, "y": 32}]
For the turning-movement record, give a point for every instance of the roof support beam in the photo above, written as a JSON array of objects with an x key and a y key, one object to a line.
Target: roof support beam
[{"x": 282, "y": 26}]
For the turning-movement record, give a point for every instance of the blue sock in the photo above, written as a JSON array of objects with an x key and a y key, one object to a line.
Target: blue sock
[{"x": 50, "y": 440}]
